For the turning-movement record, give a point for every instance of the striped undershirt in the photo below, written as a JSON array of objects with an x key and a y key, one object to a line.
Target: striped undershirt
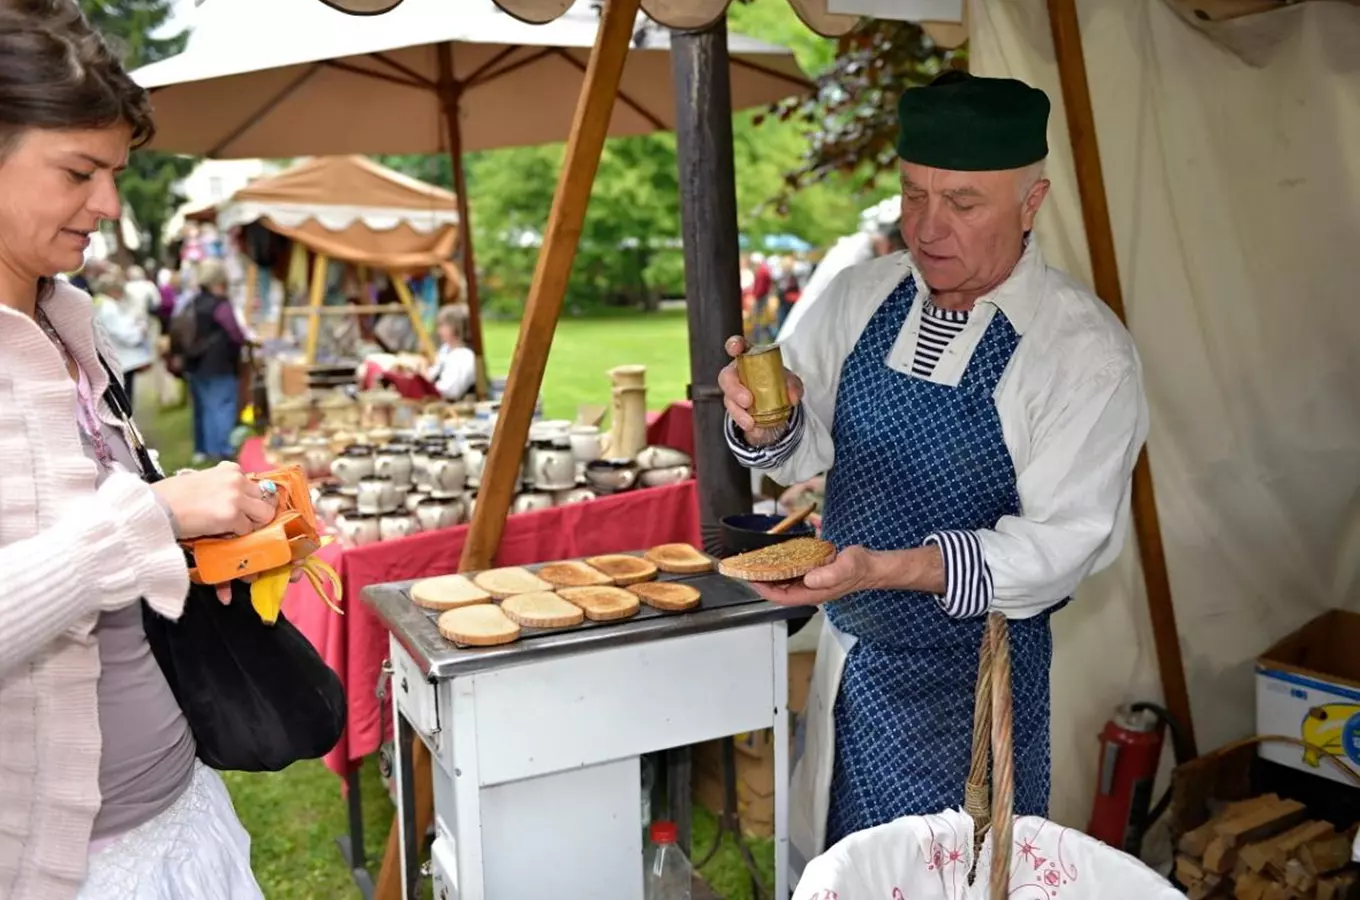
[{"x": 938, "y": 328}]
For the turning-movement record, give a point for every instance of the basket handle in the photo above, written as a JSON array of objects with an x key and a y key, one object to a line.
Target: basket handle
[{"x": 989, "y": 793}]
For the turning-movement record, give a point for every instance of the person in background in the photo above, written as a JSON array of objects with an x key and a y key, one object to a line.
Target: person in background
[
  {"x": 101, "y": 794},
  {"x": 762, "y": 282},
  {"x": 125, "y": 322},
  {"x": 454, "y": 372},
  {"x": 789, "y": 289},
  {"x": 212, "y": 365},
  {"x": 880, "y": 234}
]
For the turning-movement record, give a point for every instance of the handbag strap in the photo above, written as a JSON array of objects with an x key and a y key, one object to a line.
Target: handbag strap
[{"x": 117, "y": 399}]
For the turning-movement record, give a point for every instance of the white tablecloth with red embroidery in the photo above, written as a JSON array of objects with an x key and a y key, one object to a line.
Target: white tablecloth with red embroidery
[{"x": 929, "y": 857}]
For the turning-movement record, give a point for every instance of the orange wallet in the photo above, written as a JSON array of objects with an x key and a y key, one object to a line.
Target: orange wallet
[{"x": 293, "y": 535}]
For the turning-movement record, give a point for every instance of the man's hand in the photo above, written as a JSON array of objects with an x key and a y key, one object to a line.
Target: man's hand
[
  {"x": 853, "y": 569},
  {"x": 857, "y": 569},
  {"x": 738, "y": 399}
]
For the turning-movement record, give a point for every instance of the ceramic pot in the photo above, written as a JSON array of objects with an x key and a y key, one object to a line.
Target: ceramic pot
[
  {"x": 353, "y": 465},
  {"x": 440, "y": 512},
  {"x": 446, "y": 474},
  {"x": 531, "y": 500},
  {"x": 663, "y": 477},
  {"x": 609, "y": 476},
  {"x": 377, "y": 495},
  {"x": 397, "y": 525},
  {"x": 394, "y": 464},
  {"x": 357, "y": 529},
  {"x": 575, "y": 495},
  {"x": 658, "y": 457},
  {"x": 552, "y": 466}
]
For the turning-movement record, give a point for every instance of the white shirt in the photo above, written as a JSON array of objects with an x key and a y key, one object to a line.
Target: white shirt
[
  {"x": 847, "y": 251},
  {"x": 454, "y": 371},
  {"x": 1073, "y": 417}
]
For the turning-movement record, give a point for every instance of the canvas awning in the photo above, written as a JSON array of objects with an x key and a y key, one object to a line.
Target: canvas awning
[{"x": 353, "y": 209}]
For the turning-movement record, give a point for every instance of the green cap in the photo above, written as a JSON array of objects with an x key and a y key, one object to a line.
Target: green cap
[{"x": 970, "y": 124}]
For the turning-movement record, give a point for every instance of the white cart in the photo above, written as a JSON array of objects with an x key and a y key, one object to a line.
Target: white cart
[{"x": 536, "y": 745}]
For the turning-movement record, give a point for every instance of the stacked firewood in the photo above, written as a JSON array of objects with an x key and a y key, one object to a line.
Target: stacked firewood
[{"x": 1267, "y": 848}]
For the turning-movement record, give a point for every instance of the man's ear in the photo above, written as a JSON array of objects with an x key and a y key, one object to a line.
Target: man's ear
[{"x": 1029, "y": 207}]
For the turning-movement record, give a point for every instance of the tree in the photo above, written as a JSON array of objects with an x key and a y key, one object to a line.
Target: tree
[
  {"x": 133, "y": 28},
  {"x": 852, "y": 118}
]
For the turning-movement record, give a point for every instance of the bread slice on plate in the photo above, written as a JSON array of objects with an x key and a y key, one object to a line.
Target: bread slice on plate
[
  {"x": 671, "y": 596},
  {"x": 502, "y": 583},
  {"x": 541, "y": 609},
  {"x": 681, "y": 559},
  {"x": 602, "y": 604},
  {"x": 447, "y": 592},
  {"x": 624, "y": 569},
  {"x": 572, "y": 574},
  {"x": 779, "y": 562},
  {"x": 479, "y": 625}
]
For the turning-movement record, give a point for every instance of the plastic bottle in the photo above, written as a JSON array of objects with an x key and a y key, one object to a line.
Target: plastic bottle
[{"x": 668, "y": 874}]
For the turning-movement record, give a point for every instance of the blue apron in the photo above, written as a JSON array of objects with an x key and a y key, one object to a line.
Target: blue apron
[{"x": 914, "y": 457}]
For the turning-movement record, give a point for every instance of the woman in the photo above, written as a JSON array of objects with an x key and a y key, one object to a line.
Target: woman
[
  {"x": 101, "y": 796},
  {"x": 125, "y": 322},
  {"x": 454, "y": 372}
]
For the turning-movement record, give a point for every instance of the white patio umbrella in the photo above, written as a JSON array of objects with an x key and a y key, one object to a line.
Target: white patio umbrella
[{"x": 272, "y": 78}]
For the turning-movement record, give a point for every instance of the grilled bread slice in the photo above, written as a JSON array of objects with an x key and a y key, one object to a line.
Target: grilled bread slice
[
  {"x": 479, "y": 625},
  {"x": 681, "y": 559},
  {"x": 779, "y": 562},
  {"x": 572, "y": 574},
  {"x": 624, "y": 569},
  {"x": 502, "y": 583},
  {"x": 541, "y": 609},
  {"x": 447, "y": 592},
  {"x": 602, "y": 604},
  {"x": 671, "y": 596}
]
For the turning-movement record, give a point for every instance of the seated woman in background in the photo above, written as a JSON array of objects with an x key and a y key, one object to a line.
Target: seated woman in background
[
  {"x": 454, "y": 373},
  {"x": 101, "y": 794}
]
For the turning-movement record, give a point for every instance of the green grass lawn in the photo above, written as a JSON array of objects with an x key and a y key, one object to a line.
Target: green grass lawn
[
  {"x": 293, "y": 816},
  {"x": 585, "y": 349}
]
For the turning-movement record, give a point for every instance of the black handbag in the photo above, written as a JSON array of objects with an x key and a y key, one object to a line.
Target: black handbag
[{"x": 257, "y": 697}]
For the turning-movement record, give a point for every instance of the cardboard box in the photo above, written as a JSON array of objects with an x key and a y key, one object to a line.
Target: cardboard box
[
  {"x": 1308, "y": 687},
  {"x": 755, "y": 761}
]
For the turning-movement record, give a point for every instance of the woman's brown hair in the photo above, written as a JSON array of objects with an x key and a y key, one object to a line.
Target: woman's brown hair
[{"x": 57, "y": 72}]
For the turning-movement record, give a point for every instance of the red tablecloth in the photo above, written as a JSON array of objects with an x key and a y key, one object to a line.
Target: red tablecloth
[{"x": 355, "y": 644}]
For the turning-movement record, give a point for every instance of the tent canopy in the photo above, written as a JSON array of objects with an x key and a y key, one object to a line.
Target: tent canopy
[{"x": 352, "y": 209}]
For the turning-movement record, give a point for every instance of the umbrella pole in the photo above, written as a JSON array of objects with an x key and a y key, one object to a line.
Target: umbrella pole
[
  {"x": 1095, "y": 211},
  {"x": 450, "y": 101},
  {"x": 589, "y": 128}
]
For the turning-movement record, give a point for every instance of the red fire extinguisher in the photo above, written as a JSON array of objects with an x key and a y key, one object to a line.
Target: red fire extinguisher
[{"x": 1130, "y": 750}]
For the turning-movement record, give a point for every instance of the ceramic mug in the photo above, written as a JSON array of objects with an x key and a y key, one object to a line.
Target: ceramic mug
[
  {"x": 377, "y": 495},
  {"x": 440, "y": 512},
  {"x": 331, "y": 505},
  {"x": 552, "y": 466},
  {"x": 531, "y": 500},
  {"x": 393, "y": 464},
  {"x": 575, "y": 495},
  {"x": 586, "y": 443},
  {"x": 357, "y": 529},
  {"x": 666, "y": 476},
  {"x": 446, "y": 474},
  {"x": 353, "y": 465},
  {"x": 397, "y": 525},
  {"x": 413, "y": 499}
]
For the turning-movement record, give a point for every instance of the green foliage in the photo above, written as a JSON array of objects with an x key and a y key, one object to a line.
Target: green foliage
[{"x": 147, "y": 186}]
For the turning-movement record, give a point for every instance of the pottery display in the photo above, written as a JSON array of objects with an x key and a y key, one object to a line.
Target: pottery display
[
  {"x": 575, "y": 495},
  {"x": 445, "y": 473},
  {"x": 353, "y": 464},
  {"x": 551, "y": 465},
  {"x": 378, "y": 495},
  {"x": 413, "y": 498},
  {"x": 530, "y": 501},
  {"x": 395, "y": 463},
  {"x": 357, "y": 528},
  {"x": 434, "y": 513},
  {"x": 331, "y": 504}
]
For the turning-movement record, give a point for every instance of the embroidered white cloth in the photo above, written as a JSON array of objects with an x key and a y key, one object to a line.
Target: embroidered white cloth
[{"x": 928, "y": 858}]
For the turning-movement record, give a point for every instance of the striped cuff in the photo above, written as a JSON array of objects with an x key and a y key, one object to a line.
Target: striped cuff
[
  {"x": 967, "y": 579},
  {"x": 771, "y": 455}
]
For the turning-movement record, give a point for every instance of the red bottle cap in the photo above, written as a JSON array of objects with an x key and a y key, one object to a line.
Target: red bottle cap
[{"x": 663, "y": 832}]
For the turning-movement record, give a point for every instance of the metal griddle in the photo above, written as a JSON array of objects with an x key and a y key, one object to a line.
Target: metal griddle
[{"x": 724, "y": 602}]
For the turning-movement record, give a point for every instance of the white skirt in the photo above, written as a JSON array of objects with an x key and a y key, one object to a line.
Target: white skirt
[{"x": 195, "y": 850}]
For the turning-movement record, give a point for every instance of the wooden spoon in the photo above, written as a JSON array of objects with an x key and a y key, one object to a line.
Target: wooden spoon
[{"x": 792, "y": 519}]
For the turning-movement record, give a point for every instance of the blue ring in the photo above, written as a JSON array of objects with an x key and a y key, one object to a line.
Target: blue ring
[{"x": 268, "y": 488}]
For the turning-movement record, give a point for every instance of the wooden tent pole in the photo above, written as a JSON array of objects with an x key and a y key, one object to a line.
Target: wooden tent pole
[
  {"x": 588, "y": 131},
  {"x": 450, "y": 100},
  {"x": 413, "y": 312},
  {"x": 318, "y": 297},
  {"x": 1095, "y": 210}
]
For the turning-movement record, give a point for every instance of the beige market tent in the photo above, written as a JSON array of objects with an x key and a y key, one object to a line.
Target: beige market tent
[{"x": 350, "y": 209}]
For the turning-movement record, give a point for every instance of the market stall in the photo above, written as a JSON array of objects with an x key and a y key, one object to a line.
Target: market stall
[{"x": 362, "y": 216}]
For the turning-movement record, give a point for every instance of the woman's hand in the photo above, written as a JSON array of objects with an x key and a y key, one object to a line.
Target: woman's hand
[{"x": 216, "y": 501}]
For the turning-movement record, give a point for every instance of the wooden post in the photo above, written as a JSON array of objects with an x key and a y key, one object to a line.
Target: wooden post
[
  {"x": 1081, "y": 128},
  {"x": 708, "y": 213},
  {"x": 317, "y": 290},
  {"x": 413, "y": 311},
  {"x": 450, "y": 99},
  {"x": 588, "y": 131}
]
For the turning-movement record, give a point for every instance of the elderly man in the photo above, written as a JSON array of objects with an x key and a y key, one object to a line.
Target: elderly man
[{"x": 978, "y": 414}]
